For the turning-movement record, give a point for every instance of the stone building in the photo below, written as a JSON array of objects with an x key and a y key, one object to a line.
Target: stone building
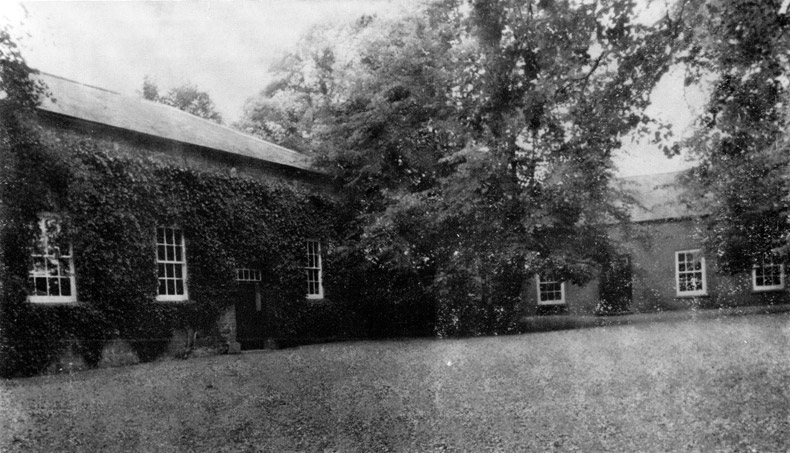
[{"x": 142, "y": 129}]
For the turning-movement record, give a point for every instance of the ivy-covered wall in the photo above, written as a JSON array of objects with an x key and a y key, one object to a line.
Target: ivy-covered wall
[{"x": 110, "y": 201}]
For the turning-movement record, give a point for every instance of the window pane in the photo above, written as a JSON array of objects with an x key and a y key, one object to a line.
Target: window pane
[
  {"x": 40, "y": 246},
  {"x": 52, "y": 267},
  {"x": 162, "y": 290},
  {"x": 39, "y": 266},
  {"x": 160, "y": 253},
  {"x": 65, "y": 286},
  {"x": 171, "y": 287},
  {"x": 179, "y": 287},
  {"x": 54, "y": 286},
  {"x": 40, "y": 286},
  {"x": 65, "y": 266}
]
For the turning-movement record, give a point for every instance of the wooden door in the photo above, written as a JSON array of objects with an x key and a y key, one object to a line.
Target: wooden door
[{"x": 251, "y": 317}]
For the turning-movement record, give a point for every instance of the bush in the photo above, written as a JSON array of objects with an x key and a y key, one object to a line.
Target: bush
[
  {"x": 33, "y": 336},
  {"x": 468, "y": 305},
  {"x": 380, "y": 302}
]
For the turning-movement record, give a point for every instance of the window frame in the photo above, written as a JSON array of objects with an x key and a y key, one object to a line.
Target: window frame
[
  {"x": 184, "y": 270},
  {"x": 702, "y": 271},
  {"x": 762, "y": 264},
  {"x": 71, "y": 273},
  {"x": 539, "y": 281},
  {"x": 319, "y": 267},
  {"x": 248, "y": 274}
]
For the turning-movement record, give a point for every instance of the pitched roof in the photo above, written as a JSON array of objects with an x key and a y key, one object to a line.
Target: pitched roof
[
  {"x": 658, "y": 197},
  {"x": 106, "y": 107}
]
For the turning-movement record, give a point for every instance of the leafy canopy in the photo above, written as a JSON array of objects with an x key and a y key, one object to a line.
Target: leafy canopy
[
  {"x": 18, "y": 89},
  {"x": 474, "y": 137},
  {"x": 741, "y": 50},
  {"x": 186, "y": 97}
]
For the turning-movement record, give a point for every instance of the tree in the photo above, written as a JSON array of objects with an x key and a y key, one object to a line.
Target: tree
[
  {"x": 187, "y": 97},
  {"x": 474, "y": 139},
  {"x": 18, "y": 87},
  {"x": 741, "y": 140},
  {"x": 319, "y": 75},
  {"x": 20, "y": 92}
]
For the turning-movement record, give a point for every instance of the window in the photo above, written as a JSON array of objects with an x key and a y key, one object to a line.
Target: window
[
  {"x": 768, "y": 275},
  {"x": 171, "y": 263},
  {"x": 315, "y": 287},
  {"x": 248, "y": 275},
  {"x": 550, "y": 292},
  {"x": 51, "y": 272},
  {"x": 690, "y": 273}
]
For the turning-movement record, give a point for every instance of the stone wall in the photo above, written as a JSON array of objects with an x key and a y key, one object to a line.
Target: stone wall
[{"x": 137, "y": 145}]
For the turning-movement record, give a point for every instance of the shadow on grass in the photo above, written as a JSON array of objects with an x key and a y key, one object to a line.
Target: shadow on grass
[
  {"x": 555, "y": 319},
  {"x": 559, "y": 321}
]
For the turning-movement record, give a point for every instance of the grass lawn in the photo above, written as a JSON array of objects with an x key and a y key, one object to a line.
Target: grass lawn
[{"x": 718, "y": 384}]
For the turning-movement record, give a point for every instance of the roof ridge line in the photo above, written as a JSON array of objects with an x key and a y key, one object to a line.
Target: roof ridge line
[{"x": 79, "y": 83}]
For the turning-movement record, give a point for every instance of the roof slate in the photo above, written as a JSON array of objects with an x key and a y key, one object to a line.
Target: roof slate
[{"x": 106, "y": 107}]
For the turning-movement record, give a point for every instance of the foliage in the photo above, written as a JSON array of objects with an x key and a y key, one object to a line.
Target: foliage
[
  {"x": 474, "y": 139},
  {"x": 380, "y": 301},
  {"x": 740, "y": 50},
  {"x": 187, "y": 97},
  {"x": 110, "y": 202},
  {"x": 17, "y": 87}
]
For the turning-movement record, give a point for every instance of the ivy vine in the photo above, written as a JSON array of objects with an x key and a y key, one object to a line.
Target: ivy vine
[{"x": 110, "y": 203}]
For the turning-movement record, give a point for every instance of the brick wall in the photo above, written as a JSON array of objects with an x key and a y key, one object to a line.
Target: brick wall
[{"x": 652, "y": 247}]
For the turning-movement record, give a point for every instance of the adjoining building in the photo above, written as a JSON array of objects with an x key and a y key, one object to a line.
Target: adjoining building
[{"x": 662, "y": 265}]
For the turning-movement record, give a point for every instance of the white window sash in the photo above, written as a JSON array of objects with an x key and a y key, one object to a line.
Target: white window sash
[
  {"x": 314, "y": 249},
  {"x": 538, "y": 282},
  {"x": 182, "y": 263},
  {"x": 760, "y": 288},
  {"x": 51, "y": 299},
  {"x": 697, "y": 253}
]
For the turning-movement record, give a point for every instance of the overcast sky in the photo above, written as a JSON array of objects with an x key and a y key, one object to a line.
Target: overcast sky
[{"x": 226, "y": 49}]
